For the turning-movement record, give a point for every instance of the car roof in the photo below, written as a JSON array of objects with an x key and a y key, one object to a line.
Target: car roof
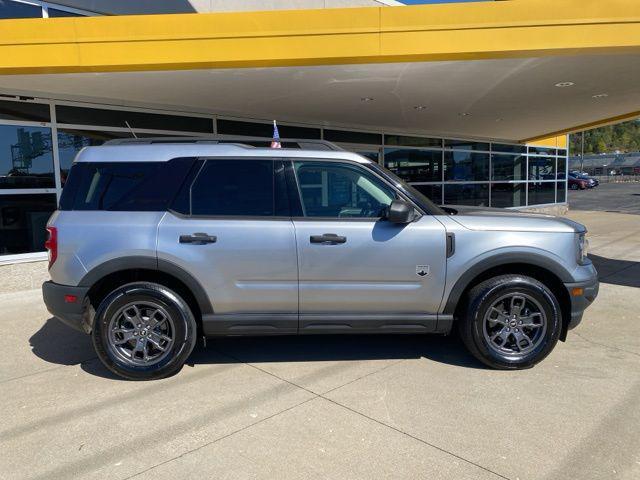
[{"x": 164, "y": 152}]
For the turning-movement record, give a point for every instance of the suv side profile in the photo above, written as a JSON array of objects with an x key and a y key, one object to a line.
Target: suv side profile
[{"x": 157, "y": 243}]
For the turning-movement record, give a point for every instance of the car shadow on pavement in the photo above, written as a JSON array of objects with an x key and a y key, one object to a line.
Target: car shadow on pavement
[
  {"x": 59, "y": 344},
  {"x": 617, "y": 272}
]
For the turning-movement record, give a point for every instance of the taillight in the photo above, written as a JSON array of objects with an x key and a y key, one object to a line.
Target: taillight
[{"x": 52, "y": 245}]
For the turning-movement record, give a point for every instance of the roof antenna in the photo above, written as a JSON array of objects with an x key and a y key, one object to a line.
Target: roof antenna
[{"x": 131, "y": 129}]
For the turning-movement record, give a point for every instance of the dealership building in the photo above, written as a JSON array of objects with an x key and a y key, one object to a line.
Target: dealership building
[{"x": 471, "y": 102}]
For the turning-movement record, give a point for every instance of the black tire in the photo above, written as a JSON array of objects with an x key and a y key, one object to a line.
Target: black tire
[
  {"x": 183, "y": 330},
  {"x": 472, "y": 326}
]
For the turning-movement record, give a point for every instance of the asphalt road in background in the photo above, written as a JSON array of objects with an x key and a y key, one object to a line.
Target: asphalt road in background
[{"x": 608, "y": 197}]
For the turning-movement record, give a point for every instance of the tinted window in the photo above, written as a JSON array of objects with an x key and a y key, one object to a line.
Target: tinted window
[
  {"x": 22, "y": 222},
  {"x": 331, "y": 189},
  {"x": 234, "y": 188},
  {"x": 470, "y": 194},
  {"x": 36, "y": 112},
  {"x": 253, "y": 129},
  {"x": 407, "y": 141},
  {"x": 542, "y": 192},
  {"x": 466, "y": 166},
  {"x": 123, "y": 186},
  {"x": 508, "y": 148},
  {"x": 352, "y": 137},
  {"x": 54, "y": 12},
  {"x": 26, "y": 159},
  {"x": 9, "y": 9},
  {"x": 466, "y": 145},
  {"x": 508, "y": 167},
  {"x": 119, "y": 118},
  {"x": 508, "y": 194},
  {"x": 414, "y": 165},
  {"x": 542, "y": 168}
]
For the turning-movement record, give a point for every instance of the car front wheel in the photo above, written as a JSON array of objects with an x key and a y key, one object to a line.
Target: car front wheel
[
  {"x": 143, "y": 331},
  {"x": 511, "y": 322}
]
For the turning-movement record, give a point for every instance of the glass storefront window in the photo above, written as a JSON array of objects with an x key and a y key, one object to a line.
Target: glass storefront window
[
  {"x": 128, "y": 119},
  {"x": 26, "y": 157},
  {"x": 432, "y": 192},
  {"x": 54, "y": 12},
  {"x": 255, "y": 129},
  {"x": 508, "y": 148},
  {"x": 22, "y": 222},
  {"x": 70, "y": 142},
  {"x": 542, "y": 150},
  {"x": 466, "y": 166},
  {"x": 469, "y": 194},
  {"x": 542, "y": 192},
  {"x": 508, "y": 167},
  {"x": 23, "y": 111},
  {"x": 508, "y": 195},
  {"x": 344, "y": 136},
  {"x": 466, "y": 145},
  {"x": 562, "y": 192},
  {"x": 10, "y": 9},
  {"x": 407, "y": 141},
  {"x": 562, "y": 167},
  {"x": 542, "y": 168},
  {"x": 413, "y": 165}
]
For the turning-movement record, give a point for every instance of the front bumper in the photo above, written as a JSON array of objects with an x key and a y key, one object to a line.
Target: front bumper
[
  {"x": 579, "y": 302},
  {"x": 75, "y": 314}
]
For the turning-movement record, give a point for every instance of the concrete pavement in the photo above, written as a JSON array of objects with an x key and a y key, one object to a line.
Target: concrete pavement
[{"x": 334, "y": 407}]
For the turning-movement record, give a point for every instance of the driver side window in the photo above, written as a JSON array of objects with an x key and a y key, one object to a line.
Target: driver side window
[{"x": 340, "y": 190}]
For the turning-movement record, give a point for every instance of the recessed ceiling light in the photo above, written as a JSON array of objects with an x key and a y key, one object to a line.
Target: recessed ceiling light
[
  {"x": 419, "y": 107},
  {"x": 565, "y": 84},
  {"x": 600, "y": 95},
  {"x": 498, "y": 119},
  {"x": 366, "y": 99},
  {"x": 464, "y": 114}
]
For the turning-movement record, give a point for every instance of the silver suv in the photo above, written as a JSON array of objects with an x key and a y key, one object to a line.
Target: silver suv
[{"x": 159, "y": 242}]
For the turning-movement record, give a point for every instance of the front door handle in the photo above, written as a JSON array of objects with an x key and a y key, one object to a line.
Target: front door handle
[
  {"x": 328, "y": 239},
  {"x": 198, "y": 238}
]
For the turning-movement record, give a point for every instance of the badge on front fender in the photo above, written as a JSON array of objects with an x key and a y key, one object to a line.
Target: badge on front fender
[{"x": 422, "y": 270}]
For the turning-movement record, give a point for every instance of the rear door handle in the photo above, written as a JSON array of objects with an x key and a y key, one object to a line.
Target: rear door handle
[
  {"x": 328, "y": 239},
  {"x": 198, "y": 238}
]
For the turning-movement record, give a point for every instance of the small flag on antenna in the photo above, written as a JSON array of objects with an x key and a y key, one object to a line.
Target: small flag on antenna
[{"x": 275, "y": 143}]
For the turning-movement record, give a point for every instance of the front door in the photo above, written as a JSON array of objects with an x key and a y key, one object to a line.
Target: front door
[
  {"x": 358, "y": 271},
  {"x": 236, "y": 238}
]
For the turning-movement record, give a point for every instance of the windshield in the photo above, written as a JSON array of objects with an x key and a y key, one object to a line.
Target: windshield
[{"x": 419, "y": 198}]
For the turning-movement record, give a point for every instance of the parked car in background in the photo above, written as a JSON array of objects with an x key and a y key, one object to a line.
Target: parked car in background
[
  {"x": 576, "y": 183},
  {"x": 590, "y": 182}
]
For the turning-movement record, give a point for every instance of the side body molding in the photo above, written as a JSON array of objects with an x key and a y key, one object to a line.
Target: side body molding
[
  {"x": 149, "y": 263},
  {"x": 522, "y": 257}
]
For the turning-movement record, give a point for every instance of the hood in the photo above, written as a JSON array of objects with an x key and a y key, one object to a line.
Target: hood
[{"x": 500, "y": 219}]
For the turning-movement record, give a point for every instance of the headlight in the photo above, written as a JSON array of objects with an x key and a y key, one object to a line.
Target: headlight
[{"x": 583, "y": 247}]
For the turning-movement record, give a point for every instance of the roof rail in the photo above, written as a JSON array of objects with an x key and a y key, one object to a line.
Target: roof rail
[{"x": 247, "y": 142}]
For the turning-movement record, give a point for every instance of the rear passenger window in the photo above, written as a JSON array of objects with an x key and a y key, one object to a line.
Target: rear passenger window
[
  {"x": 234, "y": 188},
  {"x": 124, "y": 186}
]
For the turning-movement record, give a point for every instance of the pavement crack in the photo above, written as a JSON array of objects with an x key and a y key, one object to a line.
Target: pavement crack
[
  {"x": 593, "y": 342},
  {"x": 396, "y": 429}
]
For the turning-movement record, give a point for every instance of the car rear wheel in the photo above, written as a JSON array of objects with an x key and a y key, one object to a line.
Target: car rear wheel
[
  {"x": 144, "y": 331},
  {"x": 511, "y": 322}
]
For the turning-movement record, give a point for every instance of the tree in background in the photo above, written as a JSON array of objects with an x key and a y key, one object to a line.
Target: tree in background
[{"x": 623, "y": 137}]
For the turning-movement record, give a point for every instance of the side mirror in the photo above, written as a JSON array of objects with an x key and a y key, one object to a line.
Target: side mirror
[{"x": 400, "y": 212}]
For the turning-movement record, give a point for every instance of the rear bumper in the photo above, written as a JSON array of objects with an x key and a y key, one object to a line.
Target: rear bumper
[
  {"x": 580, "y": 302},
  {"x": 75, "y": 314}
]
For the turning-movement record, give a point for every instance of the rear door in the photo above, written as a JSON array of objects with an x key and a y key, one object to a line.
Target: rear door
[
  {"x": 230, "y": 229},
  {"x": 357, "y": 270}
]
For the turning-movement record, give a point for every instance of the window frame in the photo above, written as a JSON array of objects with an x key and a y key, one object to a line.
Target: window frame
[{"x": 294, "y": 185}]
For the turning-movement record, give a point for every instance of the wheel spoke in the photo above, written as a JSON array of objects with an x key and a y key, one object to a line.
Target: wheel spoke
[
  {"x": 529, "y": 320},
  {"x": 154, "y": 322},
  {"x": 126, "y": 336},
  {"x": 517, "y": 303},
  {"x": 501, "y": 319},
  {"x": 157, "y": 344},
  {"x": 135, "y": 318}
]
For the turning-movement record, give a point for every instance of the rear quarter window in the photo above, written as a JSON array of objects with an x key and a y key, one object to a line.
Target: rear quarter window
[{"x": 124, "y": 186}]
